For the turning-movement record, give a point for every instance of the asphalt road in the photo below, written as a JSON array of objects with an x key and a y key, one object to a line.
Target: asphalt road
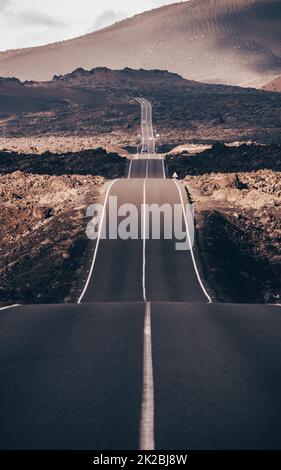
[
  {"x": 146, "y": 359},
  {"x": 147, "y": 168},
  {"x": 169, "y": 275},
  {"x": 72, "y": 376},
  {"x": 217, "y": 376},
  {"x": 148, "y": 140}
]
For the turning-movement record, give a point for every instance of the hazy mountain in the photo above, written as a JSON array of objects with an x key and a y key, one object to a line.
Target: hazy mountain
[
  {"x": 217, "y": 41},
  {"x": 274, "y": 85}
]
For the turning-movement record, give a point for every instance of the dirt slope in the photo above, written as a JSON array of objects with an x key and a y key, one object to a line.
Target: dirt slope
[
  {"x": 274, "y": 85},
  {"x": 218, "y": 41}
]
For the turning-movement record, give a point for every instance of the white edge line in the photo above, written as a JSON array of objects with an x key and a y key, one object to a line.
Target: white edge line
[
  {"x": 146, "y": 169},
  {"x": 97, "y": 243},
  {"x": 146, "y": 125},
  {"x": 139, "y": 100},
  {"x": 143, "y": 117},
  {"x": 144, "y": 243},
  {"x": 130, "y": 168},
  {"x": 152, "y": 130},
  {"x": 147, "y": 437},
  {"x": 164, "y": 173},
  {"x": 10, "y": 306},
  {"x": 190, "y": 245}
]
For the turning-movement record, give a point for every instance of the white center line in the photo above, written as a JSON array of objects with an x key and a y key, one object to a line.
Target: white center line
[
  {"x": 144, "y": 242},
  {"x": 147, "y": 439},
  {"x": 190, "y": 246},
  {"x": 97, "y": 243}
]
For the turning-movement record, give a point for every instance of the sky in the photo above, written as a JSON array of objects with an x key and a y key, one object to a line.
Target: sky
[{"x": 25, "y": 23}]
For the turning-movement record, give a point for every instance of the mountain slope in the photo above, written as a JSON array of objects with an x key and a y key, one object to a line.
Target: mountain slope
[
  {"x": 223, "y": 41},
  {"x": 274, "y": 85}
]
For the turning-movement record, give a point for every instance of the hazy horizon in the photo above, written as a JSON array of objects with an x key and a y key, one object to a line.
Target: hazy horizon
[{"x": 27, "y": 23}]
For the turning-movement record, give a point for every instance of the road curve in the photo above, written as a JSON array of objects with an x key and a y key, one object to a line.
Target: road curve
[
  {"x": 156, "y": 271},
  {"x": 148, "y": 139},
  {"x": 145, "y": 360}
]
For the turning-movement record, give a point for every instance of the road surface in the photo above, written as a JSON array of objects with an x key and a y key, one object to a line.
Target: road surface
[
  {"x": 72, "y": 376},
  {"x": 146, "y": 359},
  {"x": 148, "y": 139},
  {"x": 169, "y": 275}
]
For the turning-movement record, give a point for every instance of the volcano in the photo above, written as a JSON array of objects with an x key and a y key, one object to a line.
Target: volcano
[{"x": 233, "y": 42}]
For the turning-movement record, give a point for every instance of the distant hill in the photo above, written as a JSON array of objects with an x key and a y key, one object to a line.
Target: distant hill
[
  {"x": 236, "y": 42},
  {"x": 274, "y": 85},
  {"x": 101, "y": 103}
]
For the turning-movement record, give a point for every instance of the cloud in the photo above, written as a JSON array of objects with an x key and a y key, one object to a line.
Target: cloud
[
  {"x": 107, "y": 18},
  {"x": 25, "y": 23},
  {"x": 33, "y": 18},
  {"x": 3, "y": 4}
]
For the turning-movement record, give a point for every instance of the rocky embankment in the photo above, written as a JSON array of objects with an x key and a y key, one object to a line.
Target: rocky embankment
[
  {"x": 42, "y": 235},
  {"x": 64, "y": 144},
  {"x": 43, "y": 242},
  {"x": 87, "y": 162},
  {"x": 226, "y": 159},
  {"x": 238, "y": 220}
]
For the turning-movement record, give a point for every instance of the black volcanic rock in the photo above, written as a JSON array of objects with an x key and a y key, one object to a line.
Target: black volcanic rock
[
  {"x": 223, "y": 159},
  {"x": 102, "y": 101},
  {"x": 10, "y": 81},
  {"x": 87, "y": 162}
]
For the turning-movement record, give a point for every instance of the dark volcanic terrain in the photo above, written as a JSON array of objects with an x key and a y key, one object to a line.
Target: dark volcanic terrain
[
  {"x": 43, "y": 206},
  {"x": 52, "y": 165},
  {"x": 237, "y": 195},
  {"x": 99, "y": 105},
  {"x": 234, "y": 42}
]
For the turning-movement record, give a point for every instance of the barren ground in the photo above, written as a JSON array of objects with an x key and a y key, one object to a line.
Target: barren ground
[
  {"x": 42, "y": 231},
  {"x": 77, "y": 126},
  {"x": 90, "y": 109},
  {"x": 238, "y": 219}
]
